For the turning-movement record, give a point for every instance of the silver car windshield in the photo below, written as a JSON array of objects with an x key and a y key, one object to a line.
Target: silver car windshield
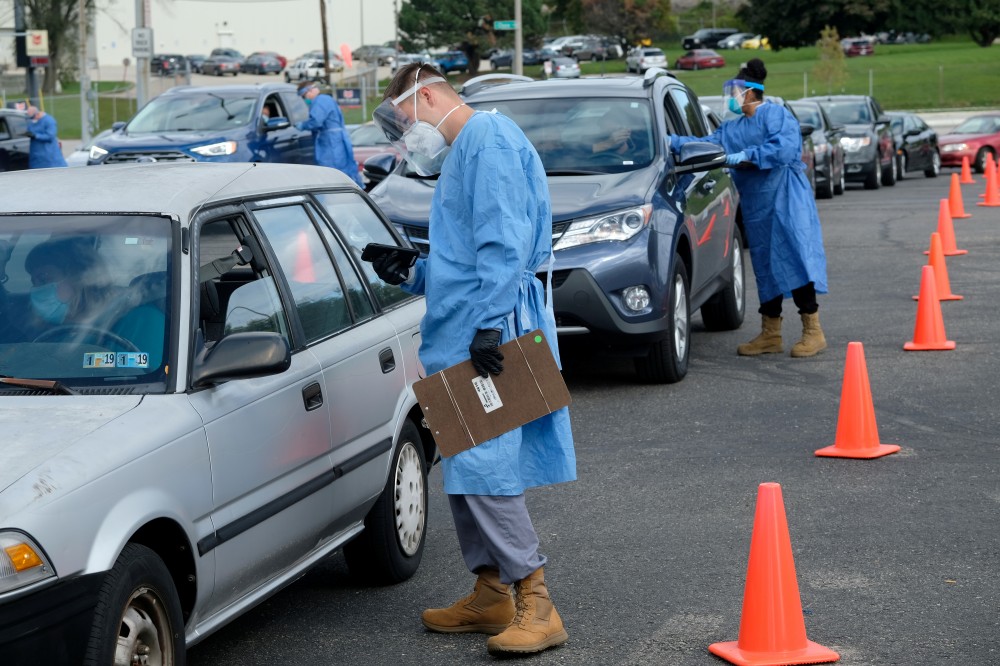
[
  {"x": 585, "y": 135},
  {"x": 208, "y": 112},
  {"x": 84, "y": 299},
  {"x": 847, "y": 113}
]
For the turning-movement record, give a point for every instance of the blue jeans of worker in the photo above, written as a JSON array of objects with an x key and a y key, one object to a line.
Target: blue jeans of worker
[{"x": 495, "y": 531}]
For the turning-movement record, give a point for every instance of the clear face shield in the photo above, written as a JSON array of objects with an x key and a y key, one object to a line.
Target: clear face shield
[
  {"x": 419, "y": 142},
  {"x": 734, "y": 93}
]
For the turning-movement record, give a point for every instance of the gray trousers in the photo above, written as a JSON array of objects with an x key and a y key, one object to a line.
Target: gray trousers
[{"x": 495, "y": 531}]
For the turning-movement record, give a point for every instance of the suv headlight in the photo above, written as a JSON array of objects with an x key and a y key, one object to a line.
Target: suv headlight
[
  {"x": 216, "y": 149},
  {"x": 855, "y": 143},
  {"x": 22, "y": 562},
  {"x": 617, "y": 226},
  {"x": 96, "y": 152}
]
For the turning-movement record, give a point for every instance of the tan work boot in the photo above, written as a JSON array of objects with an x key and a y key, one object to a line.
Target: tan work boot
[
  {"x": 537, "y": 625},
  {"x": 488, "y": 610},
  {"x": 768, "y": 342},
  {"x": 813, "y": 341}
]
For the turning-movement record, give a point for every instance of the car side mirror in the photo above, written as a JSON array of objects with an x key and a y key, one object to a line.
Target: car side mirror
[
  {"x": 276, "y": 123},
  {"x": 882, "y": 120},
  {"x": 699, "y": 156},
  {"x": 242, "y": 356},
  {"x": 806, "y": 129},
  {"x": 117, "y": 125},
  {"x": 377, "y": 167}
]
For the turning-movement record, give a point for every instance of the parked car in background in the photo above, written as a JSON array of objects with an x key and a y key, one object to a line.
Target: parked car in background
[
  {"x": 706, "y": 38},
  {"x": 228, "y": 52},
  {"x": 213, "y": 124},
  {"x": 402, "y": 59},
  {"x": 81, "y": 156},
  {"x": 589, "y": 49},
  {"x": 231, "y": 404},
  {"x": 167, "y": 64},
  {"x": 565, "y": 68},
  {"x": 806, "y": 132},
  {"x": 734, "y": 41},
  {"x": 451, "y": 61},
  {"x": 976, "y": 138},
  {"x": 827, "y": 150},
  {"x": 642, "y": 58},
  {"x": 868, "y": 147},
  {"x": 336, "y": 62},
  {"x": 700, "y": 59},
  {"x": 916, "y": 145},
  {"x": 194, "y": 62},
  {"x": 857, "y": 46},
  {"x": 218, "y": 65},
  {"x": 305, "y": 69},
  {"x": 375, "y": 54},
  {"x": 641, "y": 238},
  {"x": 758, "y": 42},
  {"x": 274, "y": 54},
  {"x": 368, "y": 140},
  {"x": 259, "y": 63},
  {"x": 14, "y": 144}
]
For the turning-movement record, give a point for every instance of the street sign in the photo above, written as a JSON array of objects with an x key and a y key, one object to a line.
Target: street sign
[
  {"x": 142, "y": 42},
  {"x": 39, "y": 61},
  {"x": 37, "y": 43},
  {"x": 505, "y": 25}
]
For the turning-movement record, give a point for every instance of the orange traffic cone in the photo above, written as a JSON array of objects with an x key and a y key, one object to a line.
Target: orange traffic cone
[
  {"x": 992, "y": 196},
  {"x": 303, "y": 261},
  {"x": 772, "y": 630},
  {"x": 857, "y": 432},
  {"x": 941, "y": 283},
  {"x": 966, "y": 178},
  {"x": 955, "y": 199},
  {"x": 947, "y": 232},
  {"x": 928, "y": 333}
]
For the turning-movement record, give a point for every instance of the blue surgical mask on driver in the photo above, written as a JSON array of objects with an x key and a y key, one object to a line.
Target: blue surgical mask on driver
[{"x": 47, "y": 305}]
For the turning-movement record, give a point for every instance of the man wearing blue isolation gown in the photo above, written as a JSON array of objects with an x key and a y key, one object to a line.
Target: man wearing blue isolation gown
[
  {"x": 490, "y": 231},
  {"x": 764, "y": 145},
  {"x": 330, "y": 138}
]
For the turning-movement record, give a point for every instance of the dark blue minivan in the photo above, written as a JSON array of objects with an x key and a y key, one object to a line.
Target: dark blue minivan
[{"x": 251, "y": 123}]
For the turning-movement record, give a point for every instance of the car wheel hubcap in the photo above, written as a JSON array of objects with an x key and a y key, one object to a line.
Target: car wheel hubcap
[
  {"x": 409, "y": 505},
  {"x": 143, "y": 634},
  {"x": 738, "y": 272},
  {"x": 680, "y": 317},
  {"x": 936, "y": 163}
]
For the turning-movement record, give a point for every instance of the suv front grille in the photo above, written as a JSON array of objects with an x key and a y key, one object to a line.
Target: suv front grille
[{"x": 153, "y": 155}]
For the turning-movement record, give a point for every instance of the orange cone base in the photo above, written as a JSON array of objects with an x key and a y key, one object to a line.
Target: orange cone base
[
  {"x": 949, "y": 297},
  {"x": 865, "y": 454},
  {"x": 944, "y": 346},
  {"x": 813, "y": 653},
  {"x": 950, "y": 254},
  {"x": 988, "y": 205}
]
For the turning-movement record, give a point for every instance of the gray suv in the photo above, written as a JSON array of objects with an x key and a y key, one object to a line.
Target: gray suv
[{"x": 203, "y": 392}]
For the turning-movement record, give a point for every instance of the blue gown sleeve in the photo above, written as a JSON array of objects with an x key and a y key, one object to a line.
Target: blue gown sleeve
[
  {"x": 677, "y": 140},
  {"x": 419, "y": 274},
  {"x": 783, "y": 145},
  {"x": 318, "y": 113},
  {"x": 44, "y": 129},
  {"x": 501, "y": 231}
]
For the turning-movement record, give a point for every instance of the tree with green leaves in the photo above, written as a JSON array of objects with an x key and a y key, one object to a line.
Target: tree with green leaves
[
  {"x": 466, "y": 25},
  {"x": 831, "y": 70},
  {"x": 793, "y": 23},
  {"x": 62, "y": 20},
  {"x": 630, "y": 20}
]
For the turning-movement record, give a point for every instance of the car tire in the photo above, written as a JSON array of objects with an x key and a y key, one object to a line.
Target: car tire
[
  {"x": 666, "y": 360},
  {"x": 902, "y": 167},
  {"x": 390, "y": 548},
  {"x": 288, "y": 79},
  {"x": 725, "y": 310},
  {"x": 889, "y": 176},
  {"x": 841, "y": 185},
  {"x": 935, "y": 168},
  {"x": 694, "y": 67},
  {"x": 979, "y": 164},
  {"x": 872, "y": 181},
  {"x": 138, "y": 613},
  {"x": 825, "y": 191}
]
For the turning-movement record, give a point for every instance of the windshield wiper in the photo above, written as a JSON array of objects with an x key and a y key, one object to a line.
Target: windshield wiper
[
  {"x": 222, "y": 103},
  {"x": 53, "y": 385}
]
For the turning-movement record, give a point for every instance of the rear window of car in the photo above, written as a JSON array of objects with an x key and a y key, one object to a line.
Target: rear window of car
[
  {"x": 807, "y": 114},
  {"x": 847, "y": 113},
  {"x": 652, "y": 52}
]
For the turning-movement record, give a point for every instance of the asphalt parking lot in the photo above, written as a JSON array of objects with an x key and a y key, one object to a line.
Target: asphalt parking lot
[{"x": 897, "y": 558}]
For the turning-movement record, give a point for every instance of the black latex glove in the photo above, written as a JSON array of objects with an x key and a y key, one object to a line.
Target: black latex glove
[
  {"x": 391, "y": 269},
  {"x": 30, "y": 135},
  {"x": 485, "y": 352}
]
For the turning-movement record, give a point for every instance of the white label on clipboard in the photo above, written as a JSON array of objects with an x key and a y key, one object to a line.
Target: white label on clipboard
[{"x": 487, "y": 393}]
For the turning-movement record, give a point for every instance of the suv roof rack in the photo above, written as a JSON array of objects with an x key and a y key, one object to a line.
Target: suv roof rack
[
  {"x": 652, "y": 74},
  {"x": 476, "y": 84}
]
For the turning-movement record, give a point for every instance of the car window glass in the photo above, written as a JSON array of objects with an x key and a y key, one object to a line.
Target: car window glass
[
  {"x": 360, "y": 302},
  {"x": 808, "y": 115},
  {"x": 85, "y": 299},
  {"x": 575, "y": 133},
  {"x": 848, "y": 113},
  {"x": 309, "y": 272},
  {"x": 295, "y": 108},
  {"x": 690, "y": 110},
  {"x": 359, "y": 225},
  {"x": 194, "y": 112},
  {"x": 4, "y": 132}
]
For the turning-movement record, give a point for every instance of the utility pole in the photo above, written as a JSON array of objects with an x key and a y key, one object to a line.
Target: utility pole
[
  {"x": 84, "y": 75},
  {"x": 20, "y": 27},
  {"x": 326, "y": 45},
  {"x": 518, "y": 39}
]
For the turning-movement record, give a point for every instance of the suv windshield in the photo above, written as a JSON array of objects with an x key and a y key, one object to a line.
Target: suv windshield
[
  {"x": 588, "y": 135},
  {"x": 84, "y": 299},
  {"x": 808, "y": 114},
  {"x": 847, "y": 113},
  {"x": 978, "y": 125},
  {"x": 202, "y": 112}
]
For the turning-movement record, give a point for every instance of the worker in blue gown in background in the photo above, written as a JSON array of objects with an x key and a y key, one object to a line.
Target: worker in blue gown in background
[
  {"x": 490, "y": 231},
  {"x": 44, "y": 151},
  {"x": 764, "y": 144},
  {"x": 330, "y": 137}
]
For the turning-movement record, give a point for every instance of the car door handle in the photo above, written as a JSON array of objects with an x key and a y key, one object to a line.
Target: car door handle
[
  {"x": 387, "y": 361},
  {"x": 312, "y": 396}
]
